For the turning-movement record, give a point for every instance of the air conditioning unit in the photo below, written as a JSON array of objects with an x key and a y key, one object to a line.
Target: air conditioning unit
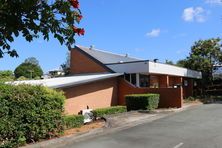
[{"x": 88, "y": 115}]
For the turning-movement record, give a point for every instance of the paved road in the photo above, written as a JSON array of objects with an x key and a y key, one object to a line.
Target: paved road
[{"x": 200, "y": 127}]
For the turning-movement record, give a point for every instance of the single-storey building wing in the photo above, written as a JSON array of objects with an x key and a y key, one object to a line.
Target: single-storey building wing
[{"x": 101, "y": 79}]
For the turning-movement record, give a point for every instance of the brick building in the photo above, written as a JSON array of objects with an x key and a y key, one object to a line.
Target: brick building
[{"x": 101, "y": 79}]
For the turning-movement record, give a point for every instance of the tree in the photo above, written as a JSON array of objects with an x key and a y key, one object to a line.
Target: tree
[
  {"x": 203, "y": 56},
  {"x": 32, "y": 60},
  {"x": 28, "y": 70},
  {"x": 6, "y": 75},
  {"x": 66, "y": 66},
  {"x": 169, "y": 62},
  {"x": 182, "y": 63},
  {"x": 31, "y": 18}
]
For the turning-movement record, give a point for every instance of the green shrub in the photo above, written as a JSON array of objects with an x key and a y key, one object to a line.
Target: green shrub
[
  {"x": 6, "y": 75},
  {"x": 73, "y": 121},
  {"x": 22, "y": 78},
  {"x": 190, "y": 98},
  {"x": 109, "y": 110},
  {"x": 142, "y": 101},
  {"x": 29, "y": 113}
]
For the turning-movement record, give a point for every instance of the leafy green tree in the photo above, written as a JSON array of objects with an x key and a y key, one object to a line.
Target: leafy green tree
[
  {"x": 203, "y": 56},
  {"x": 66, "y": 65},
  {"x": 32, "y": 18},
  {"x": 32, "y": 60},
  {"x": 182, "y": 63},
  {"x": 28, "y": 70},
  {"x": 6, "y": 75},
  {"x": 169, "y": 62}
]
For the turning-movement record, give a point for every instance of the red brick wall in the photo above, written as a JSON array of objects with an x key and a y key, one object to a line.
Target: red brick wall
[
  {"x": 97, "y": 94},
  {"x": 81, "y": 64},
  {"x": 169, "y": 97},
  {"x": 188, "y": 90},
  {"x": 163, "y": 81},
  {"x": 154, "y": 81},
  {"x": 173, "y": 80}
]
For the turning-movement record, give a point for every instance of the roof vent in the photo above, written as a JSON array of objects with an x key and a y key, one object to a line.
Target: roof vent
[
  {"x": 126, "y": 55},
  {"x": 120, "y": 61},
  {"x": 91, "y": 47},
  {"x": 155, "y": 60}
]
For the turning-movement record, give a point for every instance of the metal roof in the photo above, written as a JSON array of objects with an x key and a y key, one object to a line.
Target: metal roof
[
  {"x": 61, "y": 82},
  {"x": 107, "y": 57}
]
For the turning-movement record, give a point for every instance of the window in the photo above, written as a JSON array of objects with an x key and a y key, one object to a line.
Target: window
[
  {"x": 127, "y": 77},
  {"x": 130, "y": 78},
  {"x": 144, "y": 80},
  {"x": 185, "y": 82},
  {"x": 133, "y": 79}
]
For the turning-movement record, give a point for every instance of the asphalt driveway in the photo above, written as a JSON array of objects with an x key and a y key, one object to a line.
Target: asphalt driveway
[{"x": 199, "y": 127}]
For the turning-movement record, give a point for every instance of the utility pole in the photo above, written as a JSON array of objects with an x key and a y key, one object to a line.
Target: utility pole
[{"x": 31, "y": 71}]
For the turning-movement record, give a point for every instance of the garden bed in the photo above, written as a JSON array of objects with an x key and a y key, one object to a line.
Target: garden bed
[{"x": 85, "y": 128}]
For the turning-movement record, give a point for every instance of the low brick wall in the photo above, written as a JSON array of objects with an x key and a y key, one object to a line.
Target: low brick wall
[{"x": 169, "y": 97}]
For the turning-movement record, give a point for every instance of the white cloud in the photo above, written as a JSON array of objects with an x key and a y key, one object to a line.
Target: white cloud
[
  {"x": 192, "y": 14},
  {"x": 188, "y": 14},
  {"x": 154, "y": 33},
  {"x": 214, "y": 2}
]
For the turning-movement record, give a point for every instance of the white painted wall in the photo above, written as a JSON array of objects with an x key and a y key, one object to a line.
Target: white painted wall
[
  {"x": 154, "y": 68},
  {"x": 159, "y": 68},
  {"x": 137, "y": 67}
]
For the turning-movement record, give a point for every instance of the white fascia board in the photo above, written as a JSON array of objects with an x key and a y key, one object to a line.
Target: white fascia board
[
  {"x": 85, "y": 81},
  {"x": 130, "y": 67},
  {"x": 62, "y": 82},
  {"x": 159, "y": 68}
]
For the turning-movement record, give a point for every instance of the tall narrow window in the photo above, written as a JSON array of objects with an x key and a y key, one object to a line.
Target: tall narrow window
[
  {"x": 133, "y": 79},
  {"x": 127, "y": 77}
]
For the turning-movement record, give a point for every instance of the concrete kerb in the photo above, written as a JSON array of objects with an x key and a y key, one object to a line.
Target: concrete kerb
[{"x": 113, "y": 124}]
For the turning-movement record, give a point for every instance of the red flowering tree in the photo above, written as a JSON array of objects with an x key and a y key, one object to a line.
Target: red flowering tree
[{"x": 32, "y": 18}]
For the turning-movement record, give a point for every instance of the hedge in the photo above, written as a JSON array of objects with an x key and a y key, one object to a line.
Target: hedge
[
  {"x": 109, "y": 110},
  {"x": 142, "y": 101},
  {"x": 29, "y": 113},
  {"x": 73, "y": 121}
]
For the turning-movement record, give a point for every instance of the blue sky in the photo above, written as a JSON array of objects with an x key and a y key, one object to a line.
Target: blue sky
[{"x": 146, "y": 29}]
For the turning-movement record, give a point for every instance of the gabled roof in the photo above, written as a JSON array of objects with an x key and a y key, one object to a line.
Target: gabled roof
[
  {"x": 107, "y": 57},
  {"x": 61, "y": 82}
]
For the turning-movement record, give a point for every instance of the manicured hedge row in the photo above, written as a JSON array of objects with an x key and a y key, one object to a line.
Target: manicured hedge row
[
  {"x": 29, "y": 113},
  {"x": 109, "y": 110},
  {"x": 73, "y": 121},
  {"x": 142, "y": 101}
]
